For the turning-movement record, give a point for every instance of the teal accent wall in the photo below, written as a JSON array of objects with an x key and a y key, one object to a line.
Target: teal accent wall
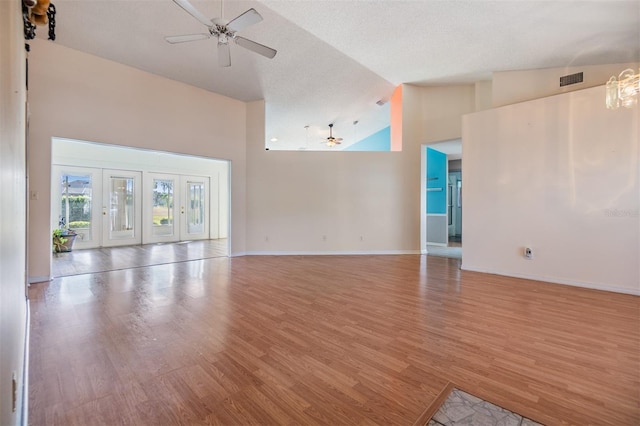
[
  {"x": 379, "y": 141},
  {"x": 436, "y": 178}
]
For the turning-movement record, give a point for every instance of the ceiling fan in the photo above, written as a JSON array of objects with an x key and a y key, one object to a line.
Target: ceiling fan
[
  {"x": 224, "y": 31},
  {"x": 331, "y": 141}
]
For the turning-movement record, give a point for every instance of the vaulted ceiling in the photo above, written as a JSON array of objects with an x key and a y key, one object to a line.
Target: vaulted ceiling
[{"x": 337, "y": 58}]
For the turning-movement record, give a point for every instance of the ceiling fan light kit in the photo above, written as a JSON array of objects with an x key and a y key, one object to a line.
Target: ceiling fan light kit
[
  {"x": 224, "y": 32},
  {"x": 331, "y": 141}
]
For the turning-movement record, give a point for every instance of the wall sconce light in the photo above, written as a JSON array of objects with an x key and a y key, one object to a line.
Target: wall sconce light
[{"x": 624, "y": 90}]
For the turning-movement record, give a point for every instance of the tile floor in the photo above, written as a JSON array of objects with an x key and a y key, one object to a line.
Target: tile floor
[
  {"x": 451, "y": 251},
  {"x": 461, "y": 408}
]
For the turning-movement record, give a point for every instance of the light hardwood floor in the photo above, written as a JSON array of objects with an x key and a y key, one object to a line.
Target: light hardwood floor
[{"x": 325, "y": 340}]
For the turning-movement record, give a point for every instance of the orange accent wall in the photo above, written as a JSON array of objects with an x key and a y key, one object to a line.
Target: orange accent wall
[{"x": 396, "y": 119}]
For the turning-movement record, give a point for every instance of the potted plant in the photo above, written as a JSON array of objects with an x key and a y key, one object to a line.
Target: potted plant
[{"x": 63, "y": 238}]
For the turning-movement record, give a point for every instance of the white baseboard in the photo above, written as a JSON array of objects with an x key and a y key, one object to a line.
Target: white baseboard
[
  {"x": 39, "y": 279},
  {"x": 330, "y": 253},
  {"x": 553, "y": 280}
]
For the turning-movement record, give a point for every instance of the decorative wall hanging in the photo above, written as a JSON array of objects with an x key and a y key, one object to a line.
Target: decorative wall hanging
[{"x": 38, "y": 13}]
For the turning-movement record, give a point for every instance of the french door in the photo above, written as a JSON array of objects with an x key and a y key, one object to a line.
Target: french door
[
  {"x": 119, "y": 207},
  {"x": 176, "y": 208},
  {"x": 161, "y": 220},
  {"x": 194, "y": 208},
  {"x": 77, "y": 203}
]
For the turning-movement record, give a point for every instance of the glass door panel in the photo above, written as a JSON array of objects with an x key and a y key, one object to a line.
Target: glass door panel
[
  {"x": 194, "y": 211},
  {"x": 163, "y": 202},
  {"x": 76, "y": 203},
  {"x": 160, "y": 215},
  {"x": 195, "y": 208},
  {"x": 121, "y": 208}
]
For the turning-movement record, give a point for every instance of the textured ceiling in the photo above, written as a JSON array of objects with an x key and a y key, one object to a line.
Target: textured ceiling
[{"x": 337, "y": 58}]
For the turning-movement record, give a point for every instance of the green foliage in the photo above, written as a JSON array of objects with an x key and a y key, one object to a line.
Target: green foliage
[
  {"x": 62, "y": 239},
  {"x": 58, "y": 240},
  {"x": 161, "y": 220},
  {"x": 79, "y": 224},
  {"x": 79, "y": 208}
]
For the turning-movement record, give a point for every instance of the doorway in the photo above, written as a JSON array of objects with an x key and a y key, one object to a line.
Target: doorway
[
  {"x": 441, "y": 199},
  {"x": 454, "y": 207},
  {"x": 115, "y": 196}
]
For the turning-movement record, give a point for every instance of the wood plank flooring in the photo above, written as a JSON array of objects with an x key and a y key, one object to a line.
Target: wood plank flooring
[
  {"x": 114, "y": 258},
  {"x": 321, "y": 340}
]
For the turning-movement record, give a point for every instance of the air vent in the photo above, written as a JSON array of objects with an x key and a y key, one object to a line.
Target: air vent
[{"x": 571, "y": 79}]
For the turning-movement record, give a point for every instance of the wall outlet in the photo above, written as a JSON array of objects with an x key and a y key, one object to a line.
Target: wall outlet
[
  {"x": 324, "y": 238},
  {"x": 266, "y": 238},
  {"x": 528, "y": 253}
]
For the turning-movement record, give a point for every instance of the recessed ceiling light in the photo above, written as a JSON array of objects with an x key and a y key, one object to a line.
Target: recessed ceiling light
[{"x": 274, "y": 139}]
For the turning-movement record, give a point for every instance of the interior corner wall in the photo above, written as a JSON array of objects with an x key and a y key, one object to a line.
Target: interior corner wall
[
  {"x": 316, "y": 202},
  {"x": 13, "y": 301},
  {"x": 80, "y": 96},
  {"x": 396, "y": 119},
  {"x": 433, "y": 114},
  {"x": 560, "y": 175},
  {"x": 484, "y": 95},
  {"x": 511, "y": 87}
]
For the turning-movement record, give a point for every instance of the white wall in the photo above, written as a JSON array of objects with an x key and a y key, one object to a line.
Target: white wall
[
  {"x": 79, "y": 96},
  {"x": 13, "y": 304},
  {"x": 558, "y": 174},
  {"x": 297, "y": 198},
  {"x": 510, "y": 87}
]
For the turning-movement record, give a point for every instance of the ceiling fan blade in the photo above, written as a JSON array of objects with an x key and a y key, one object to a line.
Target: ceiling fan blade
[
  {"x": 248, "y": 18},
  {"x": 187, "y": 37},
  {"x": 258, "y": 48},
  {"x": 188, "y": 7},
  {"x": 224, "y": 55}
]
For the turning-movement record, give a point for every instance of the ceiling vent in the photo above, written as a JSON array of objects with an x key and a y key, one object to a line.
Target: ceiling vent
[{"x": 571, "y": 79}]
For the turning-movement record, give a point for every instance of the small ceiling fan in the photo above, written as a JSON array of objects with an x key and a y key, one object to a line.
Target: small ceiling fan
[
  {"x": 331, "y": 141},
  {"x": 224, "y": 31}
]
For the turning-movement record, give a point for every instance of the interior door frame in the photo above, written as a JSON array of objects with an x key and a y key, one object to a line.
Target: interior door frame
[{"x": 69, "y": 153}]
